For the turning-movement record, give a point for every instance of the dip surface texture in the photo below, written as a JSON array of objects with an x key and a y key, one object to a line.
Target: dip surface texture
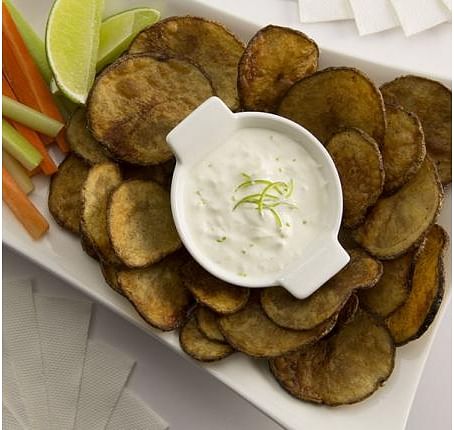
[{"x": 256, "y": 203}]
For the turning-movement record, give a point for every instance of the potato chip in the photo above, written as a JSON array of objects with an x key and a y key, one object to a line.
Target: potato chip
[
  {"x": 304, "y": 314},
  {"x": 397, "y": 223},
  {"x": 335, "y": 98},
  {"x": 392, "y": 289},
  {"x": 342, "y": 369},
  {"x": 65, "y": 202},
  {"x": 137, "y": 100},
  {"x": 360, "y": 167},
  {"x": 102, "y": 179},
  {"x": 194, "y": 343},
  {"x": 348, "y": 311},
  {"x": 252, "y": 332},
  {"x": 82, "y": 142},
  {"x": 218, "y": 55},
  {"x": 207, "y": 321},
  {"x": 140, "y": 223},
  {"x": 110, "y": 274},
  {"x": 87, "y": 246},
  {"x": 158, "y": 293},
  {"x": 275, "y": 58},
  {"x": 403, "y": 148},
  {"x": 159, "y": 173},
  {"x": 432, "y": 103},
  {"x": 443, "y": 163},
  {"x": 210, "y": 291},
  {"x": 412, "y": 319}
]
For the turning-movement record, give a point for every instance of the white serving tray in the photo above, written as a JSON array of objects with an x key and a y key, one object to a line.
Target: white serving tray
[{"x": 60, "y": 253}]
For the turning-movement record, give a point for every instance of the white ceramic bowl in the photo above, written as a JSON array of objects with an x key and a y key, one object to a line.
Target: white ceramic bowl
[{"x": 209, "y": 126}]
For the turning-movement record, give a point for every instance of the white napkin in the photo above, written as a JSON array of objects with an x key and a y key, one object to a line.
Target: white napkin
[
  {"x": 105, "y": 373},
  {"x": 63, "y": 329},
  {"x": 12, "y": 398},
  {"x": 372, "y": 16},
  {"x": 9, "y": 422},
  {"x": 420, "y": 15},
  {"x": 448, "y": 4},
  {"x": 21, "y": 340},
  {"x": 324, "y": 10},
  {"x": 132, "y": 413}
]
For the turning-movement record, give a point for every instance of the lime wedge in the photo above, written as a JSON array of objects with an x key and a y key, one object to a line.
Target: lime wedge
[
  {"x": 72, "y": 40},
  {"x": 118, "y": 31}
]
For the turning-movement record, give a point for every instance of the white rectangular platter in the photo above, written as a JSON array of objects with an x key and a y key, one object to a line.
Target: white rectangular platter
[{"x": 60, "y": 253}]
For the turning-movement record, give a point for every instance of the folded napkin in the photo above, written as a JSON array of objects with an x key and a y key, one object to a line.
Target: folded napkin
[
  {"x": 448, "y": 4},
  {"x": 373, "y": 16},
  {"x": 9, "y": 421},
  {"x": 324, "y": 10}
]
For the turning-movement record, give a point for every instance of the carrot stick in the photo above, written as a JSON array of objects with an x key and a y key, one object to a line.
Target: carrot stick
[
  {"x": 31, "y": 79},
  {"x": 47, "y": 165},
  {"x": 22, "y": 207}
]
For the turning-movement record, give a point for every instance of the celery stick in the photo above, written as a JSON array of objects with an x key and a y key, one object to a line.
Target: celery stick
[
  {"x": 19, "y": 147},
  {"x": 30, "y": 117},
  {"x": 33, "y": 42},
  {"x": 18, "y": 173}
]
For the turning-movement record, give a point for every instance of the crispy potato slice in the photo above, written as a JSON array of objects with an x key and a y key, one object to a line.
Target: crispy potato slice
[
  {"x": 140, "y": 223},
  {"x": 392, "y": 289},
  {"x": 102, "y": 179},
  {"x": 65, "y": 202},
  {"x": 335, "y": 98},
  {"x": 159, "y": 173},
  {"x": 87, "y": 246},
  {"x": 342, "y": 369},
  {"x": 252, "y": 332},
  {"x": 198, "y": 346},
  {"x": 207, "y": 321},
  {"x": 158, "y": 293},
  {"x": 397, "y": 223},
  {"x": 110, "y": 274},
  {"x": 304, "y": 314},
  {"x": 212, "y": 292},
  {"x": 360, "y": 166},
  {"x": 275, "y": 58},
  {"x": 82, "y": 142},
  {"x": 431, "y": 102},
  {"x": 403, "y": 148},
  {"x": 348, "y": 311},
  {"x": 412, "y": 319},
  {"x": 443, "y": 164},
  {"x": 181, "y": 36},
  {"x": 137, "y": 100}
]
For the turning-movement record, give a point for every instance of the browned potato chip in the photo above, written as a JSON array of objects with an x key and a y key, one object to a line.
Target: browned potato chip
[
  {"x": 102, "y": 179},
  {"x": 443, "y": 164},
  {"x": 397, "y": 223},
  {"x": 87, "y": 247},
  {"x": 140, "y": 223},
  {"x": 194, "y": 343},
  {"x": 342, "y": 369},
  {"x": 419, "y": 310},
  {"x": 159, "y": 173},
  {"x": 206, "y": 43},
  {"x": 348, "y": 311},
  {"x": 65, "y": 202},
  {"x": 335, "y": 98},
  {"x": 360, "y": 166},
  {"x": 212, "y": 292},
  {"x": 392, "y": 289},
  {"x": 110, "y": 274},
  {"x": 403, "y": 148},
  {"x": 207, "y": 321},
  {"x": 432, "y": 103},
  {"x": 81, "y": 141},
  {"x": 252, "y": 332},
  {"x": 137, "y": 100},
  {"x": 345, "y": 238},
  {"x": 158, "y": 293},
  {"x": 304, "y": 314},
  {"x": 274, "y": 59}
]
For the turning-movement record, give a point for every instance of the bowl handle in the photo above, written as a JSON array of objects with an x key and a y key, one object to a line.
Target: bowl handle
[
  {"x": 316, "y": 270},
  {"x": 201, "y": 131}
]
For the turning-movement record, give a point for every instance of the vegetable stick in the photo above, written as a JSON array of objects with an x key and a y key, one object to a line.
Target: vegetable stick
[
  {"x": 22, "y": 207},
  {"x": 30, "y": 78},
  {"x": 31, "y": 118},
  {"x": 15, "y": 144},
  {"x": 18, "y": 173},
  {"x": 48, "y": 165}
]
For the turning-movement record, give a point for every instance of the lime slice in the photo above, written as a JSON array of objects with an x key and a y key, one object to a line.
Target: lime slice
[
  {"x": 118, "y": 31},
  {"x": 72, "y": 39}
]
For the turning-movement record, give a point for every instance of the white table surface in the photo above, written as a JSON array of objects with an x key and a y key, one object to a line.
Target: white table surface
[{"x": 186, "y": 396}]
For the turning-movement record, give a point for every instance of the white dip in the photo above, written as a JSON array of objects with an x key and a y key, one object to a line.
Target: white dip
[{"x": 270, "y": 229}]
